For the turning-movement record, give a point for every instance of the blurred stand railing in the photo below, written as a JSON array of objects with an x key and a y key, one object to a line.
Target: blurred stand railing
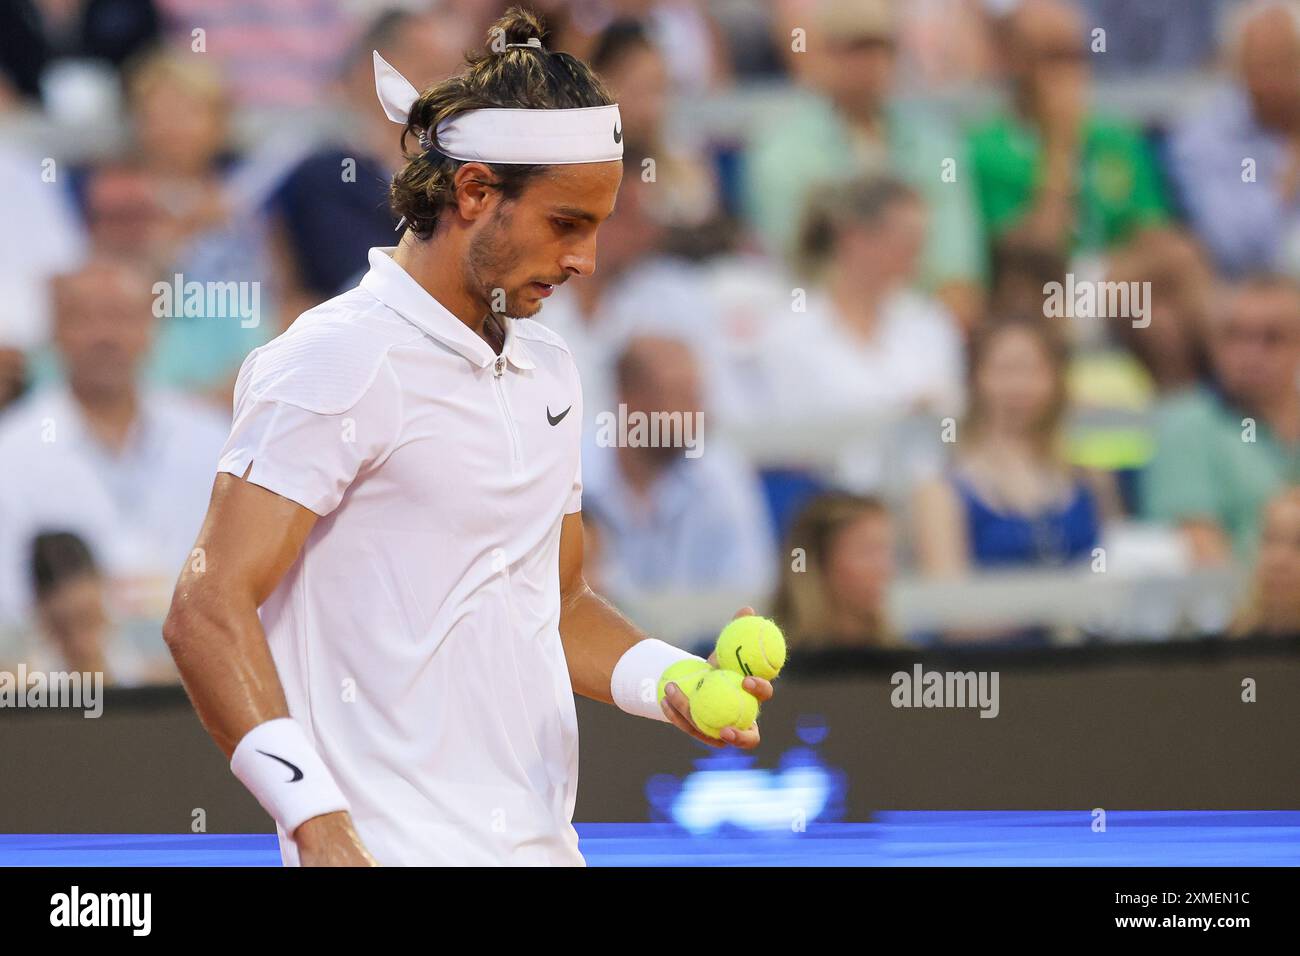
[
  {"x": 1075, "y": 604},
  {"x": 903, "y": 444}
]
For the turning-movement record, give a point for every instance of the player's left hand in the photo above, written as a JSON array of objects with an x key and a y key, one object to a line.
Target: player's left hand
[{"x": 677, "y": 707}]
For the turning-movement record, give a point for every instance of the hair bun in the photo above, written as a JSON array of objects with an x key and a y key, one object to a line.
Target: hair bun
[{"x": 518, "y": 27}]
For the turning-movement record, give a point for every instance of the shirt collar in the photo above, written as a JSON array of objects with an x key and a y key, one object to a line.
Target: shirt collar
[{"x": 396, "y": 288}]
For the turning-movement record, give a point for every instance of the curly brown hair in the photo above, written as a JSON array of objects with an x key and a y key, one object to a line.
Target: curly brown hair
[{"x": 501, "y": 77}]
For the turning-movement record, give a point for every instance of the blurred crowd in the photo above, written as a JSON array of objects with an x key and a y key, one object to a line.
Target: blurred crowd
[{"x": 944, "y": 308}]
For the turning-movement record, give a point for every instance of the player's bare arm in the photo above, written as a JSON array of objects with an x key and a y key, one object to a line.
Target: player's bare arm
[
  {"x": 596, "y": 636},
  {"x": 249, "y": 539}
]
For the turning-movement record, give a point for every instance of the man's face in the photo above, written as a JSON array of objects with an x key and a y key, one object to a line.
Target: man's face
[
  {"x": 858, "y": 73},
  {"x": 124, "y": 213},
  {"x": 1257, "y": 344},
  {"x": 668, "y": 381},
  {"x": 103, "y": 327},
  {"x": 527, "y": 246},
  {"x": 1046, "y": 45},
  {"x": 179, "y": 128},
  {"x": 1270, "y": 68}
]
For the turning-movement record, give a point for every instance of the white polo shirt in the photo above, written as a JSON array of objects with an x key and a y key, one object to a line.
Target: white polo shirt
[{"x": 417, "y": 635}]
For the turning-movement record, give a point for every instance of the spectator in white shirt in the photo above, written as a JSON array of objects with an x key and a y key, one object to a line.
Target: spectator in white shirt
[
  {"x": 867, "y": 347},
  {"x": 126, "y": 469},
  {"x": 673, "y": 518}
]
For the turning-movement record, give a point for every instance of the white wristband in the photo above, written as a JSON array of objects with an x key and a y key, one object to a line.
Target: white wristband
[
  {"x": 277, "y": 762},
  {"x": 634, "y": 684}
]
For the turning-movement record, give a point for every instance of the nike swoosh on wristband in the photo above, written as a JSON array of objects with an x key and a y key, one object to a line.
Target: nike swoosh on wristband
[
  {"x": 297, "y": 774},
  {"x": 556, "y": 419},
  {"x": 618, "y": 133}
]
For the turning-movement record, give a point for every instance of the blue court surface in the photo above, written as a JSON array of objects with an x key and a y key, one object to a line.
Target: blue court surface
[{"x": 910, "y": 838}]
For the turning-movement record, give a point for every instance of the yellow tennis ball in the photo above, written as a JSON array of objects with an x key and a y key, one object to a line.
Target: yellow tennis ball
[
  {"x": 719, "y": 701},
  {"x": 680, "y": 674},
  {"x": 752, "y": 645}
]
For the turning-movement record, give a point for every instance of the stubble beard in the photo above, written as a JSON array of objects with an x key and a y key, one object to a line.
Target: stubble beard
[{"x": 490, "y": 256}]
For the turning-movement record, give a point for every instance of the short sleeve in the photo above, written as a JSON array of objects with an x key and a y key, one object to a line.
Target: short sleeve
[{"x": 308, "y": 456}]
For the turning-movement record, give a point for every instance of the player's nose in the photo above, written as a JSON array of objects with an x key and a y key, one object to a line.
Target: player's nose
[{"x": 581, "y": 260}]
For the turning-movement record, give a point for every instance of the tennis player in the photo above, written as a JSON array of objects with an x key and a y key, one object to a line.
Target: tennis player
[{"x": 385, "y": 618}]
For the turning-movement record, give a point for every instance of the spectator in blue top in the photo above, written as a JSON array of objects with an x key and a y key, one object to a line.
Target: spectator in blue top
[{"x": 1011, "y": 499}]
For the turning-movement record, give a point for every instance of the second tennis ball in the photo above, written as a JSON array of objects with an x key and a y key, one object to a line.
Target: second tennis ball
[
  {"x": 752, "y": 645},
  {"x": 680, "y": 674},
  {"x": 718, "y": 701}
]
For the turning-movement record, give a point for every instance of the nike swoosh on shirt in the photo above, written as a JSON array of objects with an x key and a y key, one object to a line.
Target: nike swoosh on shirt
[
  {"x": 297, "y": 774},
  {"x": 556, "y": 419}
]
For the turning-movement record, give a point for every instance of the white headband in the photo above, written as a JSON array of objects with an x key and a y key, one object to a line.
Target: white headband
[{"x": 592, "y": 134}]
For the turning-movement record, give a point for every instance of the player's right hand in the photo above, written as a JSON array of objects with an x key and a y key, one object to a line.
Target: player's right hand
[{"x": 331, "y": 840}]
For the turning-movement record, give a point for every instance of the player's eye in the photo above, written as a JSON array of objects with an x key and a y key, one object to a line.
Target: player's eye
[{"x": 564, "y": 225}]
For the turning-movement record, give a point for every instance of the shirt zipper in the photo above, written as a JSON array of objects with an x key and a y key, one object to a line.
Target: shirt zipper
[{"x": 498, "y": 368}]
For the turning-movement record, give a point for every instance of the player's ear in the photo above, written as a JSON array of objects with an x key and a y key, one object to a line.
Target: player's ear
[{"x": 475, "y": 189}]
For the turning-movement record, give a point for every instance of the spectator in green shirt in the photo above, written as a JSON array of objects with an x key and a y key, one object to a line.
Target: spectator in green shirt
[
  {"x": 1222, "y": 452},
  {"x": 1050, "y": 167},
  {"x": 847, "y": 123}
]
